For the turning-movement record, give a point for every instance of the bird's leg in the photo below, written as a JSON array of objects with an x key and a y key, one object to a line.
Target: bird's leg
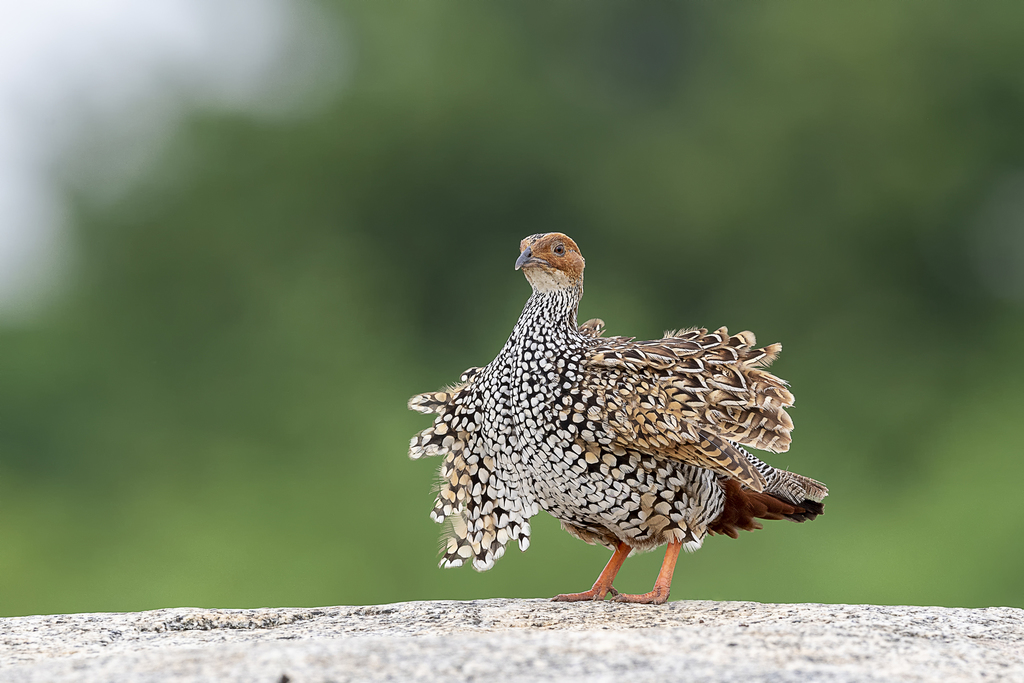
[
  {"x": 603, "y": 585},
  {"x": 664, "y": 582}
]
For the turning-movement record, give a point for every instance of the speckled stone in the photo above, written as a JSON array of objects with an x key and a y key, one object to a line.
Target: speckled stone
[{"x": 521, "y": 640}]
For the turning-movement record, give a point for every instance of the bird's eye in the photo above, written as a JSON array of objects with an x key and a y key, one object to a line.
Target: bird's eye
[{"x": 559, "y": 250}]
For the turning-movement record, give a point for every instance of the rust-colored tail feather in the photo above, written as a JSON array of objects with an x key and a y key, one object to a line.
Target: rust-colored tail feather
[{"x": 744, "y": 507}]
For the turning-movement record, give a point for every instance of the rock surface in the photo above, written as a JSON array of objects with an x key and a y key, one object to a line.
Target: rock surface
[{"x": 521, "y": 640}]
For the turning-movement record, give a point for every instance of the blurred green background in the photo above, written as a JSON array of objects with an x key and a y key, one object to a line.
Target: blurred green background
[{"x": 212, "y": 412}]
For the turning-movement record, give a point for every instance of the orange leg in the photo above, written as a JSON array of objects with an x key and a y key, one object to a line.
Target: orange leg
[
  {"x": 664, "y": 582},
  {"x": 603, "y": 585}
]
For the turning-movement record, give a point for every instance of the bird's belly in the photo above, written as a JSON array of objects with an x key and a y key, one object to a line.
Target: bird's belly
[{"x": 638, "y": 499}]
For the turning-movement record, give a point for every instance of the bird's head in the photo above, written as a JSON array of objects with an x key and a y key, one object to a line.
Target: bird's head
[{"x": 551, "y": 261}]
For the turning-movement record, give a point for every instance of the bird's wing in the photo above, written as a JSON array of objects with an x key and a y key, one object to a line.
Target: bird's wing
[
  {"x": 689, "y": 396},
  {"x": 452, "y": 435},
  {"x": 454, "y": 420}
]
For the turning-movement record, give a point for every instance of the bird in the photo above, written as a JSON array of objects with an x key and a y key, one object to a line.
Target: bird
[{"x": 629, "y": 444}]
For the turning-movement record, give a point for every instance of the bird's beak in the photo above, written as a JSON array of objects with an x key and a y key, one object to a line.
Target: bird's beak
[{"x": 528, "y": 259}]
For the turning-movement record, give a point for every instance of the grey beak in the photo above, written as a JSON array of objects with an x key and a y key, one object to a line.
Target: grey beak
[{"x": 526, "y": 258}]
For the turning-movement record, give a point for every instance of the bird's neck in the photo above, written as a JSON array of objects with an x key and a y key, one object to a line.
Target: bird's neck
[{"x": 549, "y": 315}]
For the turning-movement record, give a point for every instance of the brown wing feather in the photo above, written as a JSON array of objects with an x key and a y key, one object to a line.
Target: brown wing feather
[{"x": 687, "y": 395}]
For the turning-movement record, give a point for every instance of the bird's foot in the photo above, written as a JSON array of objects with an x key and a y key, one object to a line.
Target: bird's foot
[
  {"x": 592, "y": 594},
  {"x": 658, "y": 596}
]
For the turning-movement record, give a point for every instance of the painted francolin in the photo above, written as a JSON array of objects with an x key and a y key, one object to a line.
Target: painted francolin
[{"x": 630, "y": 444}]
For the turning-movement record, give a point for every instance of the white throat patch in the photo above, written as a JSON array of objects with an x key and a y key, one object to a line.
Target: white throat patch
[{"x": 546, "y": 279}]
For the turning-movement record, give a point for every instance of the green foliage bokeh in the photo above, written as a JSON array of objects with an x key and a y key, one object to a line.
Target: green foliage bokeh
[{"x": 213, "y": 413}]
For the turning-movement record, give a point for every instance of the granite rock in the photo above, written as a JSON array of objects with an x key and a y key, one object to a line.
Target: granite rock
[{"x": 520, "y": 640}]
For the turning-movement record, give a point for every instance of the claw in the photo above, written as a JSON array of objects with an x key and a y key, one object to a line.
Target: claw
[
  {"x": 655, "y": 597},
  {"x": 595, "y": 594}
]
